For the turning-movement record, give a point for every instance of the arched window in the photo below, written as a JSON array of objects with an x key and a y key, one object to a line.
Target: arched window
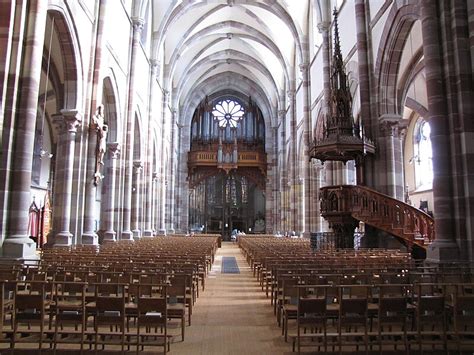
[
  {"x": 228, "y": 113},
  {"x": 423, "y": 156}
]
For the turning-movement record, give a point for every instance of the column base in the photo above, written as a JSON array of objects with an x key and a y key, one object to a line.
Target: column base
[
  {"x": 170, "y": 231},
  {"x": 161, "y": 232},
  {"x": 19, "y": 247},
  {"x": 306, "y": 235},
  {"x": 127, "y": 236},
  {"x": 109, "y": 237},
  {"x": 441, "y": 251},
  {"x": 90, "y": 239},
  {"x": 147, "y": 233},
  {"x": 137, "y": 234},
  {"x": 63, "y": 239}
]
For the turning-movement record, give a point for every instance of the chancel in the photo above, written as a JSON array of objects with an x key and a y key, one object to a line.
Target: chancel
[{"x": 236, "y": 176}]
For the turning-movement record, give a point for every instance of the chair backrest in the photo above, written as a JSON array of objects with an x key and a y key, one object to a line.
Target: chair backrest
[
  {"x": 353, "y": 311},
  {"x": 392, "y": 309},
  {"x": 109, "y": 304},
  {"x": 152, "y": 311},
  {"x": 312, "y": 307},
  {"x": 464, "y": 312}
]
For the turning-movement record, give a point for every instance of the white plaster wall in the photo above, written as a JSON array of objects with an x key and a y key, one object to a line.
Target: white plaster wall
[
  {"x": 375, "y": 6},
  {"x": 376, "y": 34},
  {"x": 347, "y": 27},
  {"x": 316, "y": 74},
  {"x": 117, "y": 33}
]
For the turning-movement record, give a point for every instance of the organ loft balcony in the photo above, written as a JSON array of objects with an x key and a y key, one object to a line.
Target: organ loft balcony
[{"x": 227, "y": 156}]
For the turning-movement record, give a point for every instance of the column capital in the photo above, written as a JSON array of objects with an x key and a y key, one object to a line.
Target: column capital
[
  {"x": 402, "y": 128},
  {"x": 113, "y": 149},
  {"x": 304, "y": 67},
  {"x": 389, "y": 124},
  {"x": 154, "y": 175},
  {"x": 281, "y": 113},
  {"x": 137, "y": 166},
  {"x": 291, "y": 94},
  {"x": 154, "y": 67},
  {"x": 137, "y": 23},
  {"x": 323, "y": 27},
  {"x": 66, "y": 121}
]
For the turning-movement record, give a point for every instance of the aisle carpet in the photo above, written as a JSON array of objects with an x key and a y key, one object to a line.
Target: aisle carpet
[{"x": 229, "y": 265}]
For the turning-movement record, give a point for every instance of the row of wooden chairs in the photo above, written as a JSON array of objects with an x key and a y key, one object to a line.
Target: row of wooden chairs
[
  {"x": 329, "y": 318},
  {"x": 115, "y": 296},
  {"x": 78, "y": 314},
  {"x": 347, "y": 282}
]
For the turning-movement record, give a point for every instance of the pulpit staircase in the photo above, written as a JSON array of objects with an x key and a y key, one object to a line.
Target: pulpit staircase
[{"x": 350, "y": 204}]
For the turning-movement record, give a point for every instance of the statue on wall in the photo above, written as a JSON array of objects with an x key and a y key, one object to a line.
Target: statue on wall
[{"x": 101, "y": 129}]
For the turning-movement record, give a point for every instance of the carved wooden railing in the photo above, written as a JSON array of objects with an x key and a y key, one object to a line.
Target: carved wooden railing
[
  {"x": 378, "y": 210},
  {"x": 256, "y": 159}
]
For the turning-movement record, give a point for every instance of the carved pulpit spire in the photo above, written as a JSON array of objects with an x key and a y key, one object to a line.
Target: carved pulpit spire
[{"x": 342, "y": 139}]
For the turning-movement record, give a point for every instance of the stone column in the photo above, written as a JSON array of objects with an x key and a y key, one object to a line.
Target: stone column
[
  {"x": 320, "y": 179},
  {"x": 293, "y": 159},
  {"x": 154, "y": 204},
  {"x": 162, "y": 172},
  {"x": 444, "y": 248},
  {"x": 127, "y": 234},
  {"x": 17, "y": 244},
  {"x": 276, "y": 174},
  {"x": 89, "y": 235},
  {"x": 114, "y": 153},
  {"x": 365, "y": 170},
  {"x": 171, "y": 178},
  {"x": 307, "y": 138},
  {"x": 66, "y": 123},
  {"x": 284, "y": 212},
  {"x": 323, "y": 28},
  {"x": 391, "y": 146},
  {"x": 137, "y": 170},
  {"x": 148, "y": 232}
]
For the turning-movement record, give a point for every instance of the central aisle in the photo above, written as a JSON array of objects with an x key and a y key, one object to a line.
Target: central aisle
[{"x": 232, "y": 315}]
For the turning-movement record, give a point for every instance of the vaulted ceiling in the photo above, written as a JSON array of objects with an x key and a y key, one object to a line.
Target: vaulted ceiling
[{"x": 243, "y": 45}]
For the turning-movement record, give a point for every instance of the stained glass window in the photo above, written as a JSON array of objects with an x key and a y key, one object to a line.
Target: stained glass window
[
  {"x": 244, "y": 190},
  {"x": 228, "y": 113},
  {"x": 424, "y": 158}
]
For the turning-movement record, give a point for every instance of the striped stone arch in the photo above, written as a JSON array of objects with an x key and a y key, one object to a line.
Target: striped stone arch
[
  {"x": 68, "y": 42},
  {"x": 138, "y": 145},
  {"x": 110, "y": 100},
  {"x": 400, "y": 20},
  {"x": 352, "y": 69},
  {"x": 225, "y": 81},
  {"x": 416, "y": 66},
  {"x": 414, "y": 105},
  {"x": 300, "y": 158},
  {"x": 319, "y": 128}
]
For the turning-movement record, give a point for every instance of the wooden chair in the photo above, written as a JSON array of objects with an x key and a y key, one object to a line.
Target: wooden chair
[
  {"x": 463, "y": 319},
  {"x": 430, "y": 319},
  {"x": 178, "y": 280},
  {"x": 392, "y": 322},
  {"x": 31, "y": 307},
  {"x": 69, "y": 309},
  {"x": 353, "y": 322},
  {"x": 176, "y": 295},
  {"x": 109, "y": 318},
  {"x": 311, "y": 316},
  {"x": 151, "y": 316}
]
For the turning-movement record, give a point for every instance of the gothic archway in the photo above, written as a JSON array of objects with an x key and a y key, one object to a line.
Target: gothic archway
[{"x": 227, "y": 166}]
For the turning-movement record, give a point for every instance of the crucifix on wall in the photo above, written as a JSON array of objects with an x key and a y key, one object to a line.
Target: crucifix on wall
[{"x": 101, "y": 130}]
